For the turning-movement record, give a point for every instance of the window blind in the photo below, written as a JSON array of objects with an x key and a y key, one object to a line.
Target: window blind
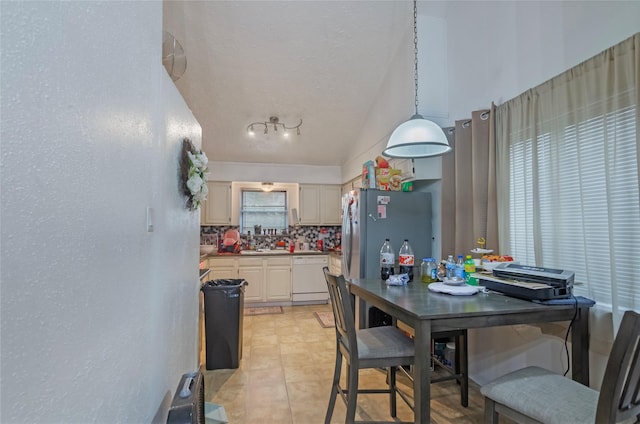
[
  {"x": 567, "y": 165},
  {"x": 575, "y": 190},
  {"x": 268, "y": 209}
]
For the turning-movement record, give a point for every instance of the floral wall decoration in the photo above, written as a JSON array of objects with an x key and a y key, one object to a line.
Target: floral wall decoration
[{"x": 193, "y": 172}]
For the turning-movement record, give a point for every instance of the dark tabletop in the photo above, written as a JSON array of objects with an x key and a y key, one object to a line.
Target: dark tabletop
[{"x": 416, "y": 301}]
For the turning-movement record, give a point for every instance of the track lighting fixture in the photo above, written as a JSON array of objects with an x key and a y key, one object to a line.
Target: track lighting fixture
[{"x": 273, "y": 123}]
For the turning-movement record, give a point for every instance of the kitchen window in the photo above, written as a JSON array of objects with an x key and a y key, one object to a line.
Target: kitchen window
[
  {"x": 267, "y": 209},
  {"x": 568, "y": 160}
]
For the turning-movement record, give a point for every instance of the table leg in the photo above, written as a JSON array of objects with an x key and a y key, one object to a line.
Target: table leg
[
  {"x": 580, "y": 347},
  {"x": 422, "y": 371},
  {"x": 361, "y": 314}
]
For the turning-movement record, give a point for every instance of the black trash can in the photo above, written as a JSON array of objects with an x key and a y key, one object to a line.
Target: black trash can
[{"x": 223, "y": 311}]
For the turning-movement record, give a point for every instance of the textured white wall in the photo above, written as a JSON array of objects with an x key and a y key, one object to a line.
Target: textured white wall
[
  {"x": 274, "y": 172},
  {"x": 497, "y": 49},
  {"x": 98, "y": 316}
]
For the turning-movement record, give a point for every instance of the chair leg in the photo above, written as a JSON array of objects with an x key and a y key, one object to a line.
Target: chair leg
[
  {"x": 352, "y": 395},
  {"x": 463, "y": 360},
  {"x": 490, "y": 414},
  {"x": 334, "y": 388},
  {"x": 391, "y": 371}
]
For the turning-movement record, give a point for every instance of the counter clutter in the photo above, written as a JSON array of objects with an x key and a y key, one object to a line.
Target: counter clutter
[
  {"x": 309, "y": 235},
  {"x": 270, "y": 252}
]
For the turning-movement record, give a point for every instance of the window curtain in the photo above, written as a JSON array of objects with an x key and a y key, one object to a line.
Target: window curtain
[
  {"x": 567, "y": 153},
  {"x": 469, "y": 206}
]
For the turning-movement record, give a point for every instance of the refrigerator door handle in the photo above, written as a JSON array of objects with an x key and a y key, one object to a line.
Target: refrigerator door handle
[
  {"x": 347, "y": 236},
  {"x": 372, "y": 217},
  {"x": 346, "y": 253}
]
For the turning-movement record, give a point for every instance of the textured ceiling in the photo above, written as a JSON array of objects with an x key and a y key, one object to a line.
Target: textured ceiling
[{"x": 319, "y": 61}]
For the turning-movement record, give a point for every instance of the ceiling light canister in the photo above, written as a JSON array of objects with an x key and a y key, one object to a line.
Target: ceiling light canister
[{"x": 267, "y": 187}]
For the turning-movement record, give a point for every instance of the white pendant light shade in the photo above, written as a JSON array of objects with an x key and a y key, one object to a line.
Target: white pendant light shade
[{"x": 417, "y": 138}]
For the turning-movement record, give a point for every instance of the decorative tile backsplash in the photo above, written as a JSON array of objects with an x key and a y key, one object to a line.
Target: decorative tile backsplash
[{"x": 310, "y": 234}]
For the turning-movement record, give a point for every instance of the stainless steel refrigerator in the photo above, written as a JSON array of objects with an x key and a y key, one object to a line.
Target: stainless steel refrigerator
[{"x": 370, "y": 216}]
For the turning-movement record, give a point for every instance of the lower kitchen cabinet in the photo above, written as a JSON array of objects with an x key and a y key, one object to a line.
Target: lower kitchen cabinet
[
  {"x": 252, "y": 270},
  {"x": 222, "y": 268},
  {"x": 278, "y": 281},
  {"x": 335, "y": 264},
  {"x": 269, "y": 278}
]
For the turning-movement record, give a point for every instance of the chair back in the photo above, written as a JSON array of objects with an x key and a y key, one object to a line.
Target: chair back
[
  {"x": 343, "y": 313},
  {"x": 620, "y": 392}
]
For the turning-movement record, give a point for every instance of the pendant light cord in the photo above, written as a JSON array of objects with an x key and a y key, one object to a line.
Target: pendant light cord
[{"x": 415, "y": 51}]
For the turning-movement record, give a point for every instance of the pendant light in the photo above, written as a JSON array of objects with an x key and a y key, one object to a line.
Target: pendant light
[{"x": 417, "y": 137}]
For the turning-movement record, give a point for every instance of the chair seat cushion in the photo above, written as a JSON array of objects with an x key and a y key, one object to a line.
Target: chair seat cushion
[
  {"x": 383, "y": 342},
  {"x": 545, "y": 396}
]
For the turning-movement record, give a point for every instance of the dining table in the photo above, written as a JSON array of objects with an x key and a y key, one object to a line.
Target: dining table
[{"x": 429, "y": 312}]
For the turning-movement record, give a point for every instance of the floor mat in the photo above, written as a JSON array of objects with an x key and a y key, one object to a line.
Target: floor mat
[
  {"x": 325, "y": 319},
  {"x": 263, "y": 310}
]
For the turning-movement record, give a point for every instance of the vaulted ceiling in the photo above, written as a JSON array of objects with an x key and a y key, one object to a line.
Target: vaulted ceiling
[{"x": 321, "y": 62}]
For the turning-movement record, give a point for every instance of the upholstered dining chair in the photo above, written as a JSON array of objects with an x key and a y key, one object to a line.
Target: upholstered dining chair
[
  {"x": 535, "y": 395},
  {"x": 378, "y": 347}
]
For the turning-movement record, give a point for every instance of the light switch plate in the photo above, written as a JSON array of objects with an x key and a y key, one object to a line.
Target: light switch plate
[{"x": 150, "y": 219}]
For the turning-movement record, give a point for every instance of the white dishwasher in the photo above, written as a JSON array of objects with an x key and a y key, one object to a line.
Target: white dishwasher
[{"x": 309, "y": 285}]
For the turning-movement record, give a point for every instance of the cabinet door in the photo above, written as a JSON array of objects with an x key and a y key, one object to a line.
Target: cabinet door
[
  {"x": 331, "y": 200},
  {"x": 428, "y": 168},
  {"x": 252, "y": 270},
  {"x": 335, "y": 265},
  {"x": 278, "y": 283},
  {"x": 222, "y": 268},
  {"x": 347, "y": 187},
  {"x": 309, "y": 204},
  {"x": 278, "y": 279},
  {"x": 254, "y": 291},
  {"x": 217, "y": 209},
  {"x": 222, "y": 272}
]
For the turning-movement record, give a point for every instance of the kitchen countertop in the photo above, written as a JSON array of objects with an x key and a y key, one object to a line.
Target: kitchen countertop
[{"x": 277, "y": 252}]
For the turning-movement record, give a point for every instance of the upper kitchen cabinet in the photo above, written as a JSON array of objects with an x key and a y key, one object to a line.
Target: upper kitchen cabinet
[
  {"x": 353, "y": 184},
  {"x": 320, "y": 204},
  {"x": 217, "y": 208},
  {"x": 309, "y": 199},
  {"x": 428, "y": 168},
  {"x": 331, "y": 201}
]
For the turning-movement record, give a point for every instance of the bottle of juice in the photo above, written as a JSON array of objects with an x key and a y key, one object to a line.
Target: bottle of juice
[{"x": 470, "y": 268}]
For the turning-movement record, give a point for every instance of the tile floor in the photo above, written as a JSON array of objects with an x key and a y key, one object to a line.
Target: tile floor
[{"x": 285, "y": 378}]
